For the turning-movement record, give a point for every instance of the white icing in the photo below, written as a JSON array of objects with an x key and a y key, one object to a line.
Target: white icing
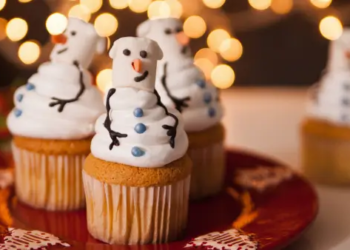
[
  {"x": 23, "y": 239},
  {"x": 6, "y": 178},
  {"x": 229, "y": 240},
  {"x": 33, "y": 117},
  {"x": 182, "y": 76},
  {"x": 330, "y": 98},
  {"x": 131, "y": 95}
]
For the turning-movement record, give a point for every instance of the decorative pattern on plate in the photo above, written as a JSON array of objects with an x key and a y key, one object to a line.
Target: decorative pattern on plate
[
  {"x": 232, "y": 239},
  {"x": 6, "y": 178},
  {"x": 262, "y": 177},
  {"x": 22, "y": 239}
]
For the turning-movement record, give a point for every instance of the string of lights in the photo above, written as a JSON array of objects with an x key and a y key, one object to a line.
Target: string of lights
[{"x": 201, "y": 17}]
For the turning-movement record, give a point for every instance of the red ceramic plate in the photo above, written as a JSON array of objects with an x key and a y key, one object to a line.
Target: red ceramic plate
[{"x": 275, "y": 217}]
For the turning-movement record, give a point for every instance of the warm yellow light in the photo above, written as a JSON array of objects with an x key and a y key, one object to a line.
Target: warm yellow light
[
  {"x": 29, "y": 52},
  {"x": 176, "y": 8},
  {"x": 205, "y": 65},
  {"x": 106, "y": 24},
  {"x": 214, "y": 4},
  {"x": 3, "y": 24},
  {"x": 158, "y": 9},
  {"x": 56, "y": 23},
  {"x": 260, "y": 4},
  {"x": 321, "y": 3},
  {"x": 223, "y": 76},
  {"x": 231, "y": 49},
  {"x": 24, "y": 1},
  {"x": 282, "y": 6},
  {"x": 80, "y": 11},
  {"x": 108, "y": 43},
  {"x": 118, "y": 4},
  {"x": 216, "y": 37},
  {"x": 2, "y": 4},
  {"x": 104, "y": 79},
  {"x": 16, "y": 29},
  {"x": 92, "y": 5},
  {"x": 194, "y": 26},
  {"x": 139, "y": 6},
  {"x": 331, "y": 27},
  {"x": 207, "y": 54}
]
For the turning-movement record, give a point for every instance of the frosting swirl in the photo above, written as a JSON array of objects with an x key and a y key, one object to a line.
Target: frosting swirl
[
  {"x": 34, "y": 115},
  {"x": 138, "y": 115}
]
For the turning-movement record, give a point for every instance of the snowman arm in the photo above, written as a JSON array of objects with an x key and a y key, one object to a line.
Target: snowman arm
[
  {"x": 171, "y": 129},
  {"x": 61, "y": 102},
  {"x": 108, "y": 122},
  {"x": 179, "y": 103}
]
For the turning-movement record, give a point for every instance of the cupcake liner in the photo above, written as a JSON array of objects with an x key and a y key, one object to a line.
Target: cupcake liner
[
  {"x": 51, "y": 182},
  {"x": 208, "y": 172},
  {"x": 119, "y": 214}
]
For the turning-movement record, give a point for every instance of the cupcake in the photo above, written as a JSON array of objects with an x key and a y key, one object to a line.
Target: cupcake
[
  {"x": 53, "y": 122},
  {"x": 326, "y": 129},
  {"x": 183, "y": 86},
  {"x": 137, "y": 177}
]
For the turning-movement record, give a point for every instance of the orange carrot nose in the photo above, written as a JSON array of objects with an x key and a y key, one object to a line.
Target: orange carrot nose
[
  {"x": 59, "y": 39},
  {"x": 182, "y": 38},
  {"x": 137, "y": 65},
  {"x": 347, "y": 54}
]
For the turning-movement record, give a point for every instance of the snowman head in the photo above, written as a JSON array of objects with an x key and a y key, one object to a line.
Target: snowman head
[
  {"x": 135, "y": 62},
  {"x": 339, "y": 52},
  {"x": 78, "y": 43},
  {"x": 168, "y": 33}
]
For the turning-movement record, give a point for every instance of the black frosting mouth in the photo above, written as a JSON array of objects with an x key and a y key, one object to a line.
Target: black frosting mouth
[
  {"x": 141, "y": 77},
  {"x": 62, "y": 51}
]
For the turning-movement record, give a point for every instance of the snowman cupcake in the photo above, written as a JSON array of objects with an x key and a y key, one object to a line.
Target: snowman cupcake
[
  {"x": 53, "y": 122},
  {"x": 137, "y": 176},
  {"x": 326, "y": 130},
  {"x": 183, "y": 86}
]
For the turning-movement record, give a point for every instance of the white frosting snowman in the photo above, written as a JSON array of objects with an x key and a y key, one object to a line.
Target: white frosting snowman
[
  {"x": 137, "y": 130},
  {"x": 59, "y": 101},
  {"x": 179, "y": 82},
  {"x": 330, "y": 99}
]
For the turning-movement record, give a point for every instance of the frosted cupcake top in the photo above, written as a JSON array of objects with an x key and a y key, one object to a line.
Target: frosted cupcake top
[
  {"x": 59, "y": 101},
  {"x": 330, "y": 98},
  {"x": 179, "y": 82},
  {"x": 137, "y": 130}
]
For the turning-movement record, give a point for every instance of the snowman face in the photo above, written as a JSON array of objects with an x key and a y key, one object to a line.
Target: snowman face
[
  {"x": 78, "y": 43},
  {"x": 135, "y": 62},
  {"x": 168, "y": 33},
  {"x": 343, "y": 43}
]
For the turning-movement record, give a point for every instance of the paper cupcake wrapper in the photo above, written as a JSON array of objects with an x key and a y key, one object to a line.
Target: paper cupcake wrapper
[
  {"x": 124, "y": 215},
  {"x": 208, "y": 170},
  {"x": 51, "y": 182}
]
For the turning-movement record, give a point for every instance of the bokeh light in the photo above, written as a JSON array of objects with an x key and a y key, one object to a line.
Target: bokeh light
[
  {"x": 158, "y": 9},
  {"x": 29, "y": 52},
  {"x": 3, "y": 24},
  {"x": 216, "y": 37},
  {"x": 106, "y": 24},
  {"x": 223, "y": 76},
  {"x": 194, "y": 26},
  {"x": 260, "y": 4},
  {"x": 56, "y": 23},
  {"x": 92, "y": 5},
  {"x": 139, "y": 6},
  {"x": 104, "y": 79},
  {"x": 321, "y": 3},
  {"x": 2, "y": 4},
  {"x": 282, "y": 6},
  {"x": 214, "y": 4},
  {"x": 118, "y": 4},
  {"x": 205, "y": 65},
  {"x": 16, "y": 29},
  {"x": 207, "y": 54},
  {"x": 231, "y": 49},
  {"x": 24, "y": 1},
  {"x": 176, "y": 8},
  {"x": 80, "y": 11},
  {"x": 331, "y": 27}
]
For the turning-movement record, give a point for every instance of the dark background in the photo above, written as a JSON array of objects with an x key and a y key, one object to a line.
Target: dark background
[{"x": 291, "y": 52}]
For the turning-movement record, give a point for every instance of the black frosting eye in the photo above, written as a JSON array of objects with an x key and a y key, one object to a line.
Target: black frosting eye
[
  {"x": 179, "y": 29},
  {"x": 167, "y": 31},
  {"x": 126, "y": 52},
  {"x": 143, "y": 54},
  {"x": 73, "y": 33}
]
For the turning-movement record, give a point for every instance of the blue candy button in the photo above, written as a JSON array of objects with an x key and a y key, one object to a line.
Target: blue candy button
[
  {"x": 30, "y": 86},
  {"x": 140, "y": 128},
  {"x": 18, "y": 112},
  {"x": 207, "y": 98},
  {"x": 137, "y": 152},
  {"x": 138, "y": 112},
  {"x": 19, "y": 97},
  {"x": 211, "y": 112},
  {"x": 201, "y": 83}
]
